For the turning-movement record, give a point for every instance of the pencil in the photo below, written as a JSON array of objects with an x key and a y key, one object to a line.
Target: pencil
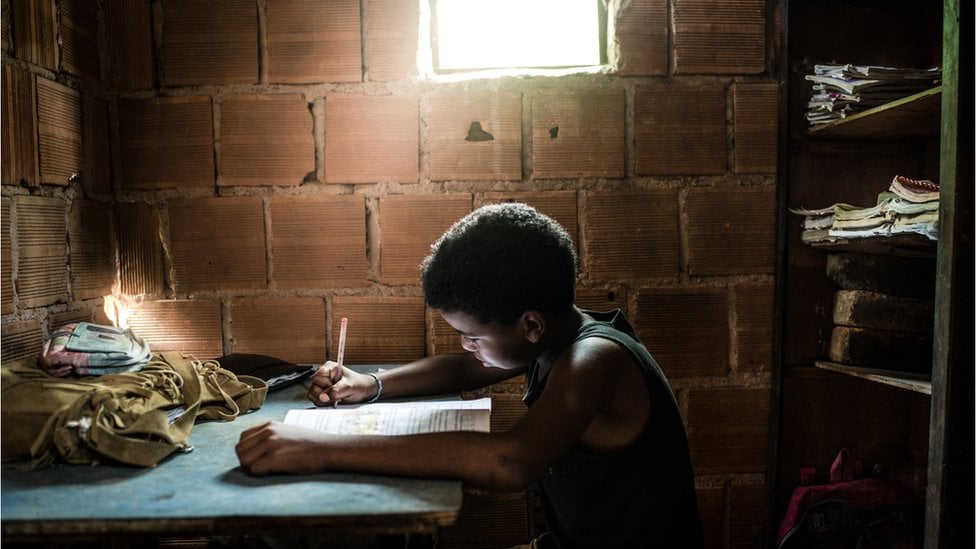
[{"x": 342, "y": 341}]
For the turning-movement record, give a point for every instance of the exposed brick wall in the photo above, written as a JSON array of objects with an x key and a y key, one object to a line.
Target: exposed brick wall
[{"x": 254, "y": 170}]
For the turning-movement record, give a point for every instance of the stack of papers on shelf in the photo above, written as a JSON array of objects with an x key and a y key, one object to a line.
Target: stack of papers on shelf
[
  {"x": 907, "y": 206},
  {"x": 842, "y": 90}
]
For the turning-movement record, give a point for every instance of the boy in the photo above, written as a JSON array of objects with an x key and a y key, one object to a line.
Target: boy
[{"x": 602, "y": 436}]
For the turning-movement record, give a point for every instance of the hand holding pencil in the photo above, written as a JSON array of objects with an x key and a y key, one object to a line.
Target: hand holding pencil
[{"x": 333, "y": 383}]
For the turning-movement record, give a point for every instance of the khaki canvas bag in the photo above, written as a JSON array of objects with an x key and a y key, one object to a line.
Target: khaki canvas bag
[{"x": 137, "y": 418}]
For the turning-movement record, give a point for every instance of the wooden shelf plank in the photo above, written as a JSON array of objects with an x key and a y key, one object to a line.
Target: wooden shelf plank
[
  {"x": 903, "y": 245},
  {"x": 919, "y": 383},
  {"x": 914, "y": 116}
]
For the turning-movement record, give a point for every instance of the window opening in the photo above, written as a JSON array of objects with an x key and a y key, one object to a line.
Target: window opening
[{"x": 473, "y": 35}]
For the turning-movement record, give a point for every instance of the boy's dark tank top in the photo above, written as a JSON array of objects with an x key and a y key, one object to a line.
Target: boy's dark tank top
[{"x": 641, "y": 497}]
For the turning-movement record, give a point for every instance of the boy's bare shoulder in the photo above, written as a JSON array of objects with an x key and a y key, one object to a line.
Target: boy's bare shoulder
[{"x": 599, "y": 352}]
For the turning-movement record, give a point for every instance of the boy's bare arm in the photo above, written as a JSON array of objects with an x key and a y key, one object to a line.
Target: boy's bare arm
[
  {"x": 500, "y": 461},
  {"x": 447, "y": 373}
]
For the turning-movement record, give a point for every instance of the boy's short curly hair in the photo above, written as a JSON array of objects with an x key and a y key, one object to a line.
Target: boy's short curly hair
[{"x": 499, "y": 261}]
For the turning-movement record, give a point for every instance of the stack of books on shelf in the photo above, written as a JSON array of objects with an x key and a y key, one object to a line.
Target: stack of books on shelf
[
  {"x": 908, "y": 206},
  {"x": 839, "y": 91},
  {"x": 883, "y": 312}
]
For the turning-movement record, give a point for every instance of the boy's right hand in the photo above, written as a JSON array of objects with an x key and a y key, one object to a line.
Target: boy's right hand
[{"x": 332, "y": 384}]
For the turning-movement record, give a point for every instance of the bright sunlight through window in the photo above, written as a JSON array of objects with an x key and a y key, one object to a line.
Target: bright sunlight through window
[{"x": 494, "y": 34}]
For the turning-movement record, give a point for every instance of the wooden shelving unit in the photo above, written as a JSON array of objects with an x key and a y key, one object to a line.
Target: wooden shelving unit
[
  {"x": 901, "y": 245},
  {"x": 916, "y": 422},
  {"x": 910, "y": 117},
  {"x": 918, "y": 383}
]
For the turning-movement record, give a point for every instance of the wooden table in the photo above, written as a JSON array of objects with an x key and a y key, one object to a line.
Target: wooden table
[{"x": 205, "y": 493}]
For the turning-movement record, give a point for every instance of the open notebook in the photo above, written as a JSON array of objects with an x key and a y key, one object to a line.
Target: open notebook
[{"x": 396, "y": 418}]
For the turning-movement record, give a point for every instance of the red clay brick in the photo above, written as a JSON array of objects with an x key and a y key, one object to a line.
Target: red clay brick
[
  {"x": 92, "y": 255},
  {"x": 265, "y": 140},
  {"x": 289, "y": 328},
  {"x": 318, "y": 242},
  {"x": 409, "y": 224},
  {"x": 714, "y": 510},
  {"x": 442, "y": 338},
  {"x": 21, "y": 340},
  {"x": 719, "y": 37},
  {"x": 559, "y": 205},
  {"x": 190, "y": 326},
  {"x": 578, "y": 133},
  {"x": 55, "y": 321},
  {"x": 391, "y": 39},
  {"x": 888, "y": 349},
  {"x": 755, "y": 114},
  {"x": 42, "y": 269},
  {"x": 58, "y": 131},
  {"x": 19, "y": 139},
  {"x": 382, "y": 330},
  {"x": 680, "y": 129},
  {"x": 36, "y": 35},
  {"x": 731, "y": 230},
  {"x": 630, "y": 234},
  {"x": 140, "y": 250},
  {"x": 166, "y": 142},
  {"x": 371, "y": 139},
  {"x": 461, "y": 151},
  {"x": 217, "y": 243},
  {"x": 130, "y": 44},
  {"x": 213, "y": 42},
  {"x": 642, "y": 38},
  {"x": 728, "y": 430},
  {"x": 79, "y": 37},
  {"x": 6, "y": 258},
  {"x": 686, "y": 329},
  {"x": 97, "y": 135},
  {"x": 754, "y": 327},
  {"x": 866, "y": 309},
  {"x": 310, "y": 41},
  {"x": 603, "y": 299},
  {"x": 494, "y": 520},
  {"x": 750, "y": 508}
]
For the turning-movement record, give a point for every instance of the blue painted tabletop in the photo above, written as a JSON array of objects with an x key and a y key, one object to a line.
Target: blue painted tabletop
[{"x": 204, "y": 491}]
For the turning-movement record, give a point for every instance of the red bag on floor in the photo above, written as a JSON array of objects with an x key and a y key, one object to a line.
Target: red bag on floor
[{"x": 852, "y": 513}]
